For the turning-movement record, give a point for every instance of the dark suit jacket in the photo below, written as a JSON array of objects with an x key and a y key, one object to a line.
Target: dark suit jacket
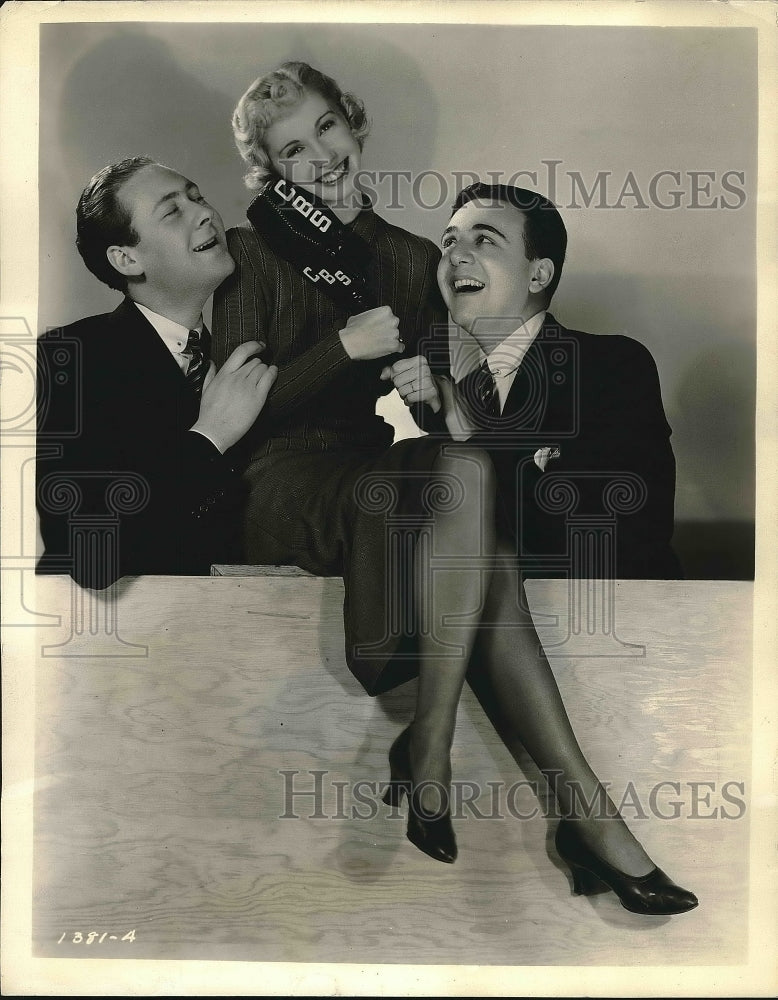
[
  {"x": 123, "y": 485},
  {"x": 605, "y": 506}
]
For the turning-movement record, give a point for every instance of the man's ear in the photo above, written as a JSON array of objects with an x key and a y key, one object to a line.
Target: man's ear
[
  {"x": 541, "y": 275},
  {"x": 124, "y": 260}
]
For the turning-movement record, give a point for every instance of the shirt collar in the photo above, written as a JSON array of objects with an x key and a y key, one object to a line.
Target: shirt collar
[
  {"x": 507, "y": 356},
  {"x": 173, "y": 334}
]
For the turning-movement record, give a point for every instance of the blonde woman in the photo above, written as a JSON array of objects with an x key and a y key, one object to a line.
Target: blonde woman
[{"x": 349, "y": 308}]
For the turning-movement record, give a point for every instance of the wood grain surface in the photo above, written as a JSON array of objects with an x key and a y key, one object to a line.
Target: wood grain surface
[{"x": 171, "y": 714}]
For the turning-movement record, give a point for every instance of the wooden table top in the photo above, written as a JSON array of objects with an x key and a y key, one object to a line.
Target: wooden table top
[{"x": 176, "y": 717}]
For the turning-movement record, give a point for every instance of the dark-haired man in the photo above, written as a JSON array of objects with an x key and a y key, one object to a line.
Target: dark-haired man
[
  {"x": 574, "y": 423},
  {"x": 133, "y": 420}
]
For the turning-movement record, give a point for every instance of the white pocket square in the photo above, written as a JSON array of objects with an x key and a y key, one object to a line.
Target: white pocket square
[{"x": 542, "y": 455}]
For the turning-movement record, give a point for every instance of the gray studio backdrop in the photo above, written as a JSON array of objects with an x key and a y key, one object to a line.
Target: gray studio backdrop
[{"x": 645, "y": 138}]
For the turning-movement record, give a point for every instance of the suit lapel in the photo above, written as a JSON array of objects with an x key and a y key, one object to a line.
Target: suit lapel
[
  {"x": 543, "y": 396},
  {"x": 150, "y": 380},
  {"x": 528, "y": 395}
]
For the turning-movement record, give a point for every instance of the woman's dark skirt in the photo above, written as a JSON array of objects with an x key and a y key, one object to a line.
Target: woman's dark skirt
[{"x": 353, "y": 514}]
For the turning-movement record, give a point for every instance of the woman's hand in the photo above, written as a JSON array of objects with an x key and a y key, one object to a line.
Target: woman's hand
[
  {"x": 414, "y": 381},
  {"x": 372, "y": 334}
]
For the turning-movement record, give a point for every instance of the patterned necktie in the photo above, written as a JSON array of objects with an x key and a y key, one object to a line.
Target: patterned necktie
[
  {"x": 478, "y": 390},
  {"x": 198, "y": 348}
]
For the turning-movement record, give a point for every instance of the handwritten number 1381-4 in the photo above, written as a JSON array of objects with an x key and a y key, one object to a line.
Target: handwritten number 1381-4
[{"x": 92, "y": 936}]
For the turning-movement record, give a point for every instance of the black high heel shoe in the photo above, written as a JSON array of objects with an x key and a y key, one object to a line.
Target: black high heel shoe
[
  {"x": 653, "y": 894},
  {"x": 432, "y": 833}
]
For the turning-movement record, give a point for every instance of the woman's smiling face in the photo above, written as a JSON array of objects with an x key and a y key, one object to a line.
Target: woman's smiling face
[{"x": 312, "y": 145}]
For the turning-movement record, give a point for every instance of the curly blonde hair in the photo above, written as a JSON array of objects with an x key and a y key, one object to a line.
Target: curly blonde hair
[{"x": 269, "y": 96}]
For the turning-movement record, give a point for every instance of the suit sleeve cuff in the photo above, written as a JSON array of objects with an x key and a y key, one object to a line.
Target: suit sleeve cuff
[{"x": 194, "y": 430}]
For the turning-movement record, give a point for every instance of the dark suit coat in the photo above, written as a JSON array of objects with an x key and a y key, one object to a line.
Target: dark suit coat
[
  {"x": 116, "y": 458},
  {"x": 596, "y": 398}
]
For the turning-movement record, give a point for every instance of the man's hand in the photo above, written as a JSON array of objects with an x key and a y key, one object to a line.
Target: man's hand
[
  {"x": 233, "y": 397},
  {"x": 414, "y": 381},
  {"x": 372, "y": 334}
]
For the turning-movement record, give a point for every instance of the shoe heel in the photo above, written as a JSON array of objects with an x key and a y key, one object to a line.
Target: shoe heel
[
  {"x": 585, "y": 883},
  {"x": 653, "y": 894},
  {"x": 432, "y": 834},
  {"x": 395, "y": 790}
]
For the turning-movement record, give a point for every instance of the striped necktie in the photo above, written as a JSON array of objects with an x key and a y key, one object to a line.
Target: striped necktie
[
  {"x": 478, "y": 390},
  {"x": 198, "y": 349}
]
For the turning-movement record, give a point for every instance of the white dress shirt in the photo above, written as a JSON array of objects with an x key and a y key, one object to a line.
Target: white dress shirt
[
  {"x": 174, "y": 336},
  {"x": 504, "y": 361}
]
